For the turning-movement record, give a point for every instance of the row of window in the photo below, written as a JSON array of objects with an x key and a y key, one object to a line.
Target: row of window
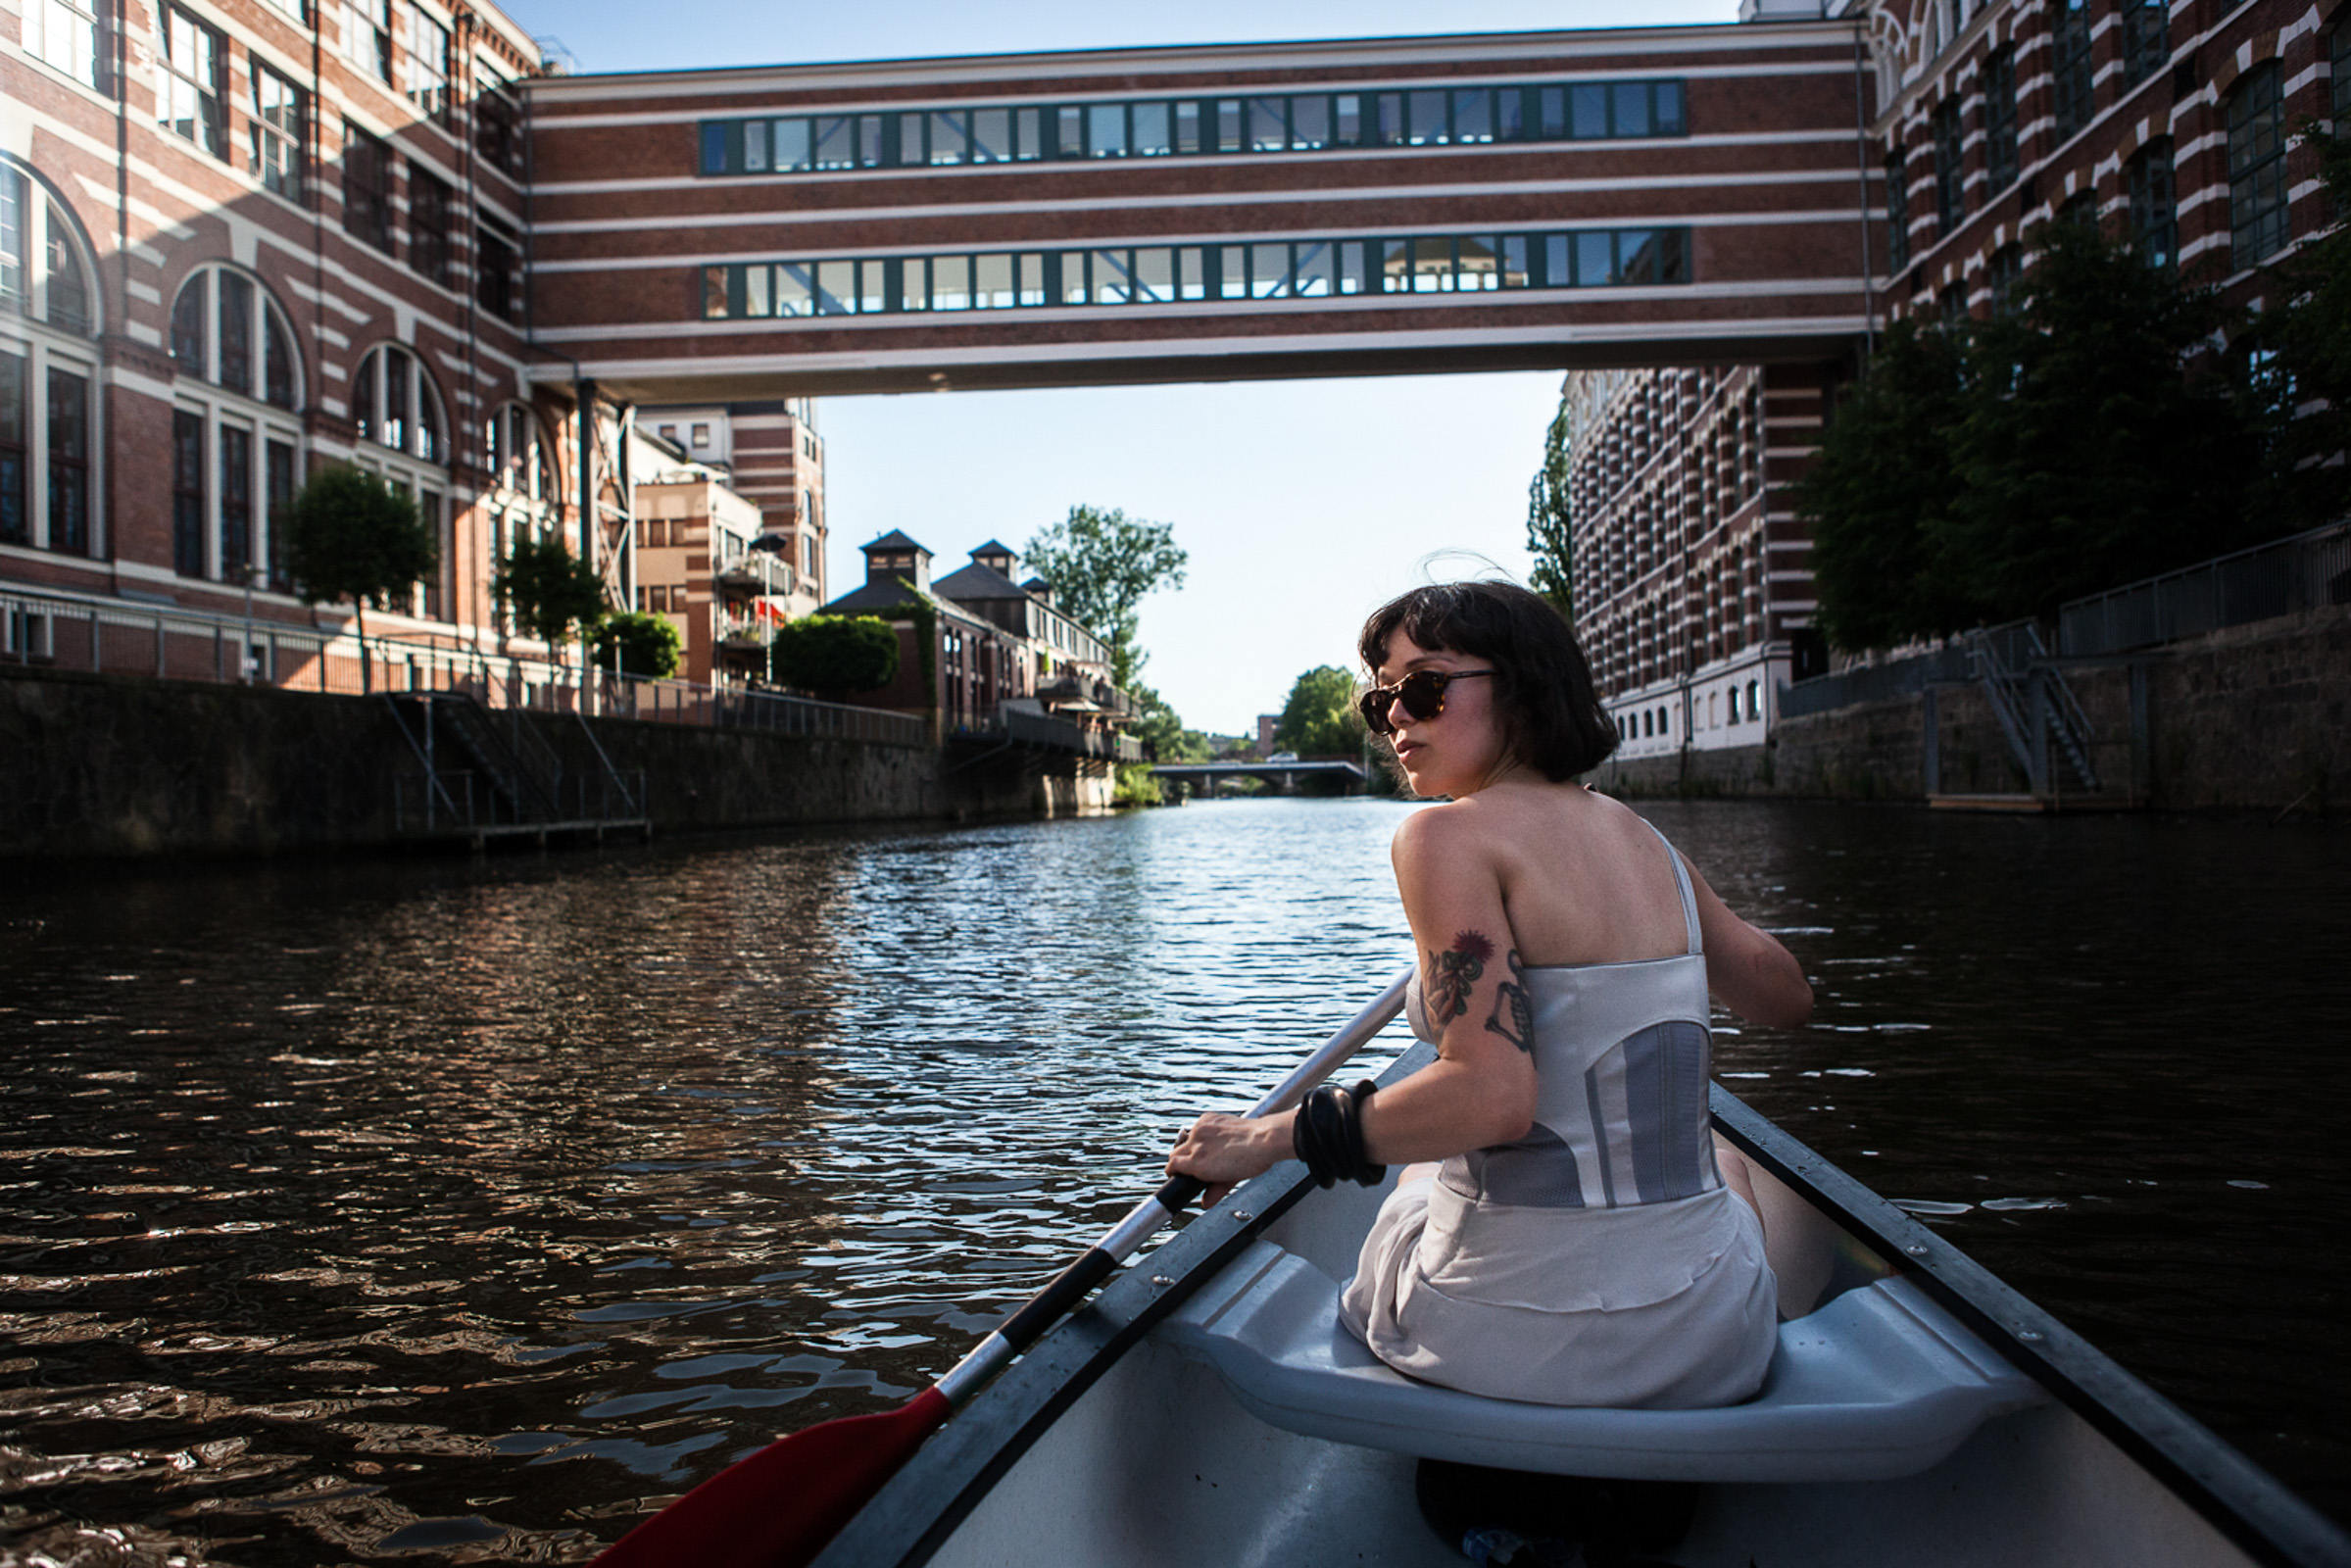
[
  {"x": 1275, "y": 122},
  {"x": 1159, "y": 274}
]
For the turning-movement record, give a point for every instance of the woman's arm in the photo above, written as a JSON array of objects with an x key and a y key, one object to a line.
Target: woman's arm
[
  {"x": 1749, "y": 970},
  {"x": 1481, "y": 1089}
]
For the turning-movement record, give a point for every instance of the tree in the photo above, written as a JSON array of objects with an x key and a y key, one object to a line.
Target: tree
[
  {"x": 1319, "y": 719},
  {"x": 834, "y": 655},
  {"x": 549, "y": 592},
  {"x": 637, "y": 644},
  {"x": 1549, "y": 522},
  {"x": 2084, "y": 436},
  {"x": 1102, "y": 564},
  {"x": 2305, "y": 341},
  {"x": 1878, "y": 493},
  {"x": 2103, "y": 440},
  {"x": 1158, "y": 726},
  {"x": 351, "y": 536}
]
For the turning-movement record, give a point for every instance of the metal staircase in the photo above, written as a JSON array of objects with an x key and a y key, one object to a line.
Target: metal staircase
[
  {"x": 525, "y": 780},
  {"x": 2047, "y": 732}
]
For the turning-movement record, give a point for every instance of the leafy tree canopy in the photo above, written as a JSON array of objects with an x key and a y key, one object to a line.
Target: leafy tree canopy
[
  {"x": 1319, "y": 719},
  {"x": 1102, "y": 564},
  {"x": 641, "y": 643},
  {"x": 834, "y": 655},
  {"x": 549, "y": 592},
  {"x": 2304, "y": 339},
  {"x": 1156, "y": 726},
  {"x": 350, "y": 536},
  {"x": 1549, "y": 521},
  {"x": 2086, "y": 436}
]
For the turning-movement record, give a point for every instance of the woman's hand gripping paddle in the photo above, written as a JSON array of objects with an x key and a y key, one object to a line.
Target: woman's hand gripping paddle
[{"x": 777, "y": 1508}]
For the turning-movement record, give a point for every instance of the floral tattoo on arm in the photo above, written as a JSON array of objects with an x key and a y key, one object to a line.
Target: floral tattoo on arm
[
  {"x": 1452, "y": 972},
  {"x": 1513, "y": 1014}
]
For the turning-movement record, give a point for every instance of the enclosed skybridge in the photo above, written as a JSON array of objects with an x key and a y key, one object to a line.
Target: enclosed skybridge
[{"x": 1490, "y": 202}]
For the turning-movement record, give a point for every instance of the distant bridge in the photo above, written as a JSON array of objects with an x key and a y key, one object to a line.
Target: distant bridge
[{"x": 1283, "y": 776}]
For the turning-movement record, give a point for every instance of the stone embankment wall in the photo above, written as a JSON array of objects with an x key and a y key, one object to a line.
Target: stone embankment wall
[
  {"x": 128, "y": 765},
  {"x": 2254, "y": 717}
]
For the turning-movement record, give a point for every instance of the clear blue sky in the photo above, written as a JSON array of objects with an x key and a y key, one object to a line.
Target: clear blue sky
[{"x": 1304, "y": 504}]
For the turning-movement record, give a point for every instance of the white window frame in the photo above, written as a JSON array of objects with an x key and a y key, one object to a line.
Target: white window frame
[
  {"x": 405, "y": 470},
  {"x": 198, "y": 391},
  {"x": 65, "y": 35},
  {"x": 26, "y": 332},
  {"x": 179, "y": 78},
  {"x": 293, "y": 145}
]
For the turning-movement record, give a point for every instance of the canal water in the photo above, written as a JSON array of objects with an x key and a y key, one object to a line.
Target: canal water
[{"x": 447, "y": 1213}]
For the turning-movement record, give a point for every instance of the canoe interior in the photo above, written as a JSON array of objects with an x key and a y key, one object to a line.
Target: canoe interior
[{"x": 1156, "y": 1463}]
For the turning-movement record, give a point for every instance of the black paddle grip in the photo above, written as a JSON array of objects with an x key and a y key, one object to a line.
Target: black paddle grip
[
  {"x": 1069, "y": 1287},
  {"x": 1067, "y": 1290}
]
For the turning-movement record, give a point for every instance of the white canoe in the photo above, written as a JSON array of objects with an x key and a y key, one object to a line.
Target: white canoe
[{"x": 1207, "y": 1411}]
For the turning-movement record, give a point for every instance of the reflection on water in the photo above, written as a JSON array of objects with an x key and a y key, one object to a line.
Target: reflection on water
[{"x": 455, "y": 1212}]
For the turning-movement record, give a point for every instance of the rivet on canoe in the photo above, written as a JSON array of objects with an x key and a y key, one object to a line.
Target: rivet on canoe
[
  {"x": 1242, "y": 1213},
  {"x": 1917, "y": 1249},
  {"x": 2027, "y": 1335},
  {"x": 1161, "y": 1280}
]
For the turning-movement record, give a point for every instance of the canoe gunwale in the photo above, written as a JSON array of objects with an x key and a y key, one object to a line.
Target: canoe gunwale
[
  {"x": 922, "y": 1506},
  {"x": 2239, "y": 1499},
  {"x": 927, "y": 1500}
]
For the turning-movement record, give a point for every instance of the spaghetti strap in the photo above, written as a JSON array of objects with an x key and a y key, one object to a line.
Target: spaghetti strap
[{"x": 1689, "y": 901}]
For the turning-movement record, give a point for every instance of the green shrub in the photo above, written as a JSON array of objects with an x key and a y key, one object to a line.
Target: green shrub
[
  {"x": 643, "y": 644},
  {"x": 834, "y": 655}
]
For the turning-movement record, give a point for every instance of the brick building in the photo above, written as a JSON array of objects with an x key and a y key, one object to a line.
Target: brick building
[
  {"x": 2170, "y": 125},
  {"x": 993, "y": 641}
]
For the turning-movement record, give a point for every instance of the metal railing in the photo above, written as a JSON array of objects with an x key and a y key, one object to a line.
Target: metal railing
[
  {"x": 1060, "y": 734},
  {"x": 72, "y": 631},
  {"x": 1875, "y": 683},
  {"x": 2308, "y": 572}
]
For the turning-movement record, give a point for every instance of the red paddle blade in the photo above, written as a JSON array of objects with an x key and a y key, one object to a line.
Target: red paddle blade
[{"x": 777, "y": 1508}]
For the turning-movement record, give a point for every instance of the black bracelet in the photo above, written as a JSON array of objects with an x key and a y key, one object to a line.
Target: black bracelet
[{"x": 1327, "y": 1135}]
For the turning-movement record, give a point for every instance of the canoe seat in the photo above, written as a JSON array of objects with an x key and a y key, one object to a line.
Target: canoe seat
[{"x": 1878, "y": 1383}]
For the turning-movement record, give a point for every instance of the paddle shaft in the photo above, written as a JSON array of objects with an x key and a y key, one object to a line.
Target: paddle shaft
[{"x": 1071, "y": 1286}]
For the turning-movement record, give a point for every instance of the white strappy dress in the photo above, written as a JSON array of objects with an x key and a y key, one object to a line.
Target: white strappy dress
[{"x": 1599, "y": 1260}]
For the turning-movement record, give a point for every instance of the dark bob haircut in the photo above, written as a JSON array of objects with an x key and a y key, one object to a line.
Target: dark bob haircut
[{"x": 1552, "y": 717}]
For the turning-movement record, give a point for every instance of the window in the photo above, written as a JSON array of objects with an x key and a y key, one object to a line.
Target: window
[
  {"x": 496, "y": 277},
  {"x": 65, "y": 34},
  {"x": 2257, "y": 214},
  {"x": 368, "y": 37},
  {"x": 1999, "y": 120},
  {"x": 367, "y": 188},
  {"x": 46, "y": 373},
  {"x": 15, "y": 423},
  {"x": 2154, "y": 207},
  {"x": 427, "y": 223},
  {"x": 2072, "y": 65},
  {"x": 69, "y": 461},
  {"x": 2146, "y": 39},
  {"x": 428, "y": 65},
  {"x": 226, "y": 330},
  {"x": 1950, "y": 192},
  {"x": 498, "y": 128},
  {"x": 2002, "y": 274},
  {"x": 233, "y": 444},
  {"x": 394, "y": 404},
  {"x": 1897, "y": 213},
  {"x": 2338, "y": 57},
  {"x": 519, "y": 456},
  {"x": 279, "y": 128},
  {"x": 1275, "y": 270},
  {"x": 1282, "y": 123},
  {"x": 188, "y": 102}
]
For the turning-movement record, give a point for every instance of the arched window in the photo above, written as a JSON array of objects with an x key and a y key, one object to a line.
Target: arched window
[
  {"x": 235, "y": 451},
  {"x": 404, "y": 437},
  {"x": 522, "y": 500},
  {"x": 48, "y": 373},
  {"x": 395, "y": 406}
]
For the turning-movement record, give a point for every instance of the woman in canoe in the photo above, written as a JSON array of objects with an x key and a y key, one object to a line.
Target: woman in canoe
[{"x": 1568, "y": 1232}]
